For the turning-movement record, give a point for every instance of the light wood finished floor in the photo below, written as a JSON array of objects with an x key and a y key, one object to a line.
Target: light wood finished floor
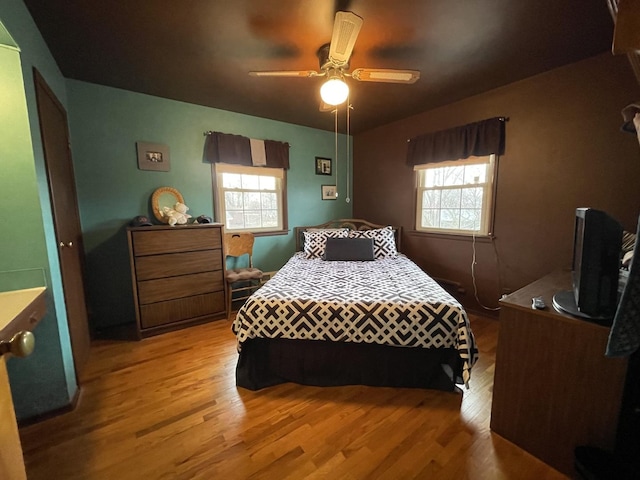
[{"x": 167, "y": 408}]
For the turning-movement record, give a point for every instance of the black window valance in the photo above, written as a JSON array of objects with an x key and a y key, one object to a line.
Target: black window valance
[
  {"x": 475, "y": 139},
  {"x": 236, "y": 149}
]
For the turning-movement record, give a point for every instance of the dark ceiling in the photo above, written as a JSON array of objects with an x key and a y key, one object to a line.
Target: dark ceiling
[{"x": 199, "y": 51}]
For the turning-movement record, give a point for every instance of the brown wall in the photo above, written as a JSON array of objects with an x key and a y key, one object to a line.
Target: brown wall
[{"x": 564, "y": 150}]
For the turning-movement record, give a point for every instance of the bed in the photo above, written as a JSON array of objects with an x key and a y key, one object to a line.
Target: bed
[{"x": 372, "y": 317}]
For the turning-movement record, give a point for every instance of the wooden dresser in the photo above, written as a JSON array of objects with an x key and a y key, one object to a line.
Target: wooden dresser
[
  {"x": 178, "y": 276},
  {"x": 554, "y": 389}
]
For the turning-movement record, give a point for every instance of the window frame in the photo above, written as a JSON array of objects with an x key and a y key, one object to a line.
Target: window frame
[
  {"x": 219, "y": 206},
  {"x": 489, "y": 194}
]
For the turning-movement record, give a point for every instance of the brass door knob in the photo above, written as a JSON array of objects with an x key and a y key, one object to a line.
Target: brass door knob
[{"x": 20, "y": 345}]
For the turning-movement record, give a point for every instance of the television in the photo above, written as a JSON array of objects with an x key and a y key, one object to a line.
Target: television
[{"x": 597, "y": 246}]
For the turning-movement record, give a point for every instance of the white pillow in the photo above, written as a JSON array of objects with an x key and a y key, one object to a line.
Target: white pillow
[
  {"x": 315, "y": 241},
  {"x": 384, "y": 242}
]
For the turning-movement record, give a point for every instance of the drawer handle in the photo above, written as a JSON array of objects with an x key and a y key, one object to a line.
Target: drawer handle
[{"x": 20, "y": 345}]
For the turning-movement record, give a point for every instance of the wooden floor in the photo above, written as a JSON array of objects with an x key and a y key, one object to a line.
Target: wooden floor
[{"x": 168, "y": 408}]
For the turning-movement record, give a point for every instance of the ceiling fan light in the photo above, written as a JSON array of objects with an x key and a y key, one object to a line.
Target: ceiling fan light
[{"x": 334, "y": 91}]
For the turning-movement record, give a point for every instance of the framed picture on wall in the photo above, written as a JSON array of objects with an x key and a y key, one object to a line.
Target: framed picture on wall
[
  {"x": 323, "y": 166},
  {"x": 153, "y": 156},
  {"x": 328, "y": 192}
]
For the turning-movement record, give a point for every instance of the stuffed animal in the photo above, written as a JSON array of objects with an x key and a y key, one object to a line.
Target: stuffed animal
[{"x": 176, "y": 215}]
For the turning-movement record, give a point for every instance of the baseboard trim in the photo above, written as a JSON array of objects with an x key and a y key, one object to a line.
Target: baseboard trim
[{"x": 71, "y": 406}]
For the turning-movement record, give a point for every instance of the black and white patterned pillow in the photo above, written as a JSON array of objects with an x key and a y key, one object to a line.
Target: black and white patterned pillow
[
  {"x": 384, "y": 242},
  {"x": 315, "y": 241}
]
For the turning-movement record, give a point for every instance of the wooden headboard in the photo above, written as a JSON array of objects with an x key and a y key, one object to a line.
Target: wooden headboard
[{"x": 351, "y": 224}]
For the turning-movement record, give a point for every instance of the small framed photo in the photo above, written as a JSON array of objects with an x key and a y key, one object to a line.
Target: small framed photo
[
  {"x": 329, "y": 192},
  {"x": 323, "y": 166},
  {"x": 153, "y": 156}
]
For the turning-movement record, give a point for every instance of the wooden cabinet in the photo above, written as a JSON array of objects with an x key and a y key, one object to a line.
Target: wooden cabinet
[
  {"x": 20, "y": 311},
  {"x": 626, "y": 39},
  {"x": 554, "y": 389},
  {"x": 178, "y": 276}
]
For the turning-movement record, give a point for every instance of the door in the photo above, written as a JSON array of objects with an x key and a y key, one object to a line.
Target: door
[{"x": 66, "y": 218}]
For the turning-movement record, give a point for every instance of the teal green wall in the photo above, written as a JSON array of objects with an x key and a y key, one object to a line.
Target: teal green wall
[
  {"x": 22, "y": 232},
  {"x": 105, "y": 125},
  {"x": 45, "y": 380}
]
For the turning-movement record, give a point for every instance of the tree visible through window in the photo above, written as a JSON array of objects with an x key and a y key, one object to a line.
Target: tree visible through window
[
  {"x": 456, "y": 197},
  {"x": 250, "y": 198}
]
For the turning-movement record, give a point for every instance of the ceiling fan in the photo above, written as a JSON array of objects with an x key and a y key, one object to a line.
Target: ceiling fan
[{"x": 334, "y": 62}]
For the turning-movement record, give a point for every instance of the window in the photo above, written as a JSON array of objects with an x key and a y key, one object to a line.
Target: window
[
  {"x": 456, "y": 196},
  {"x": 250, "y": 198}
]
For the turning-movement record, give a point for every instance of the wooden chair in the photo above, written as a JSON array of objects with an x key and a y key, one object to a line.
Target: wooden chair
[{"x": 243, "y": 279}]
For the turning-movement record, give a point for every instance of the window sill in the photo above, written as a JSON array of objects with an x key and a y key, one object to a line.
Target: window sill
[
  {"x": 452, "y": 236},
  {"x": 264, "y": 234}
]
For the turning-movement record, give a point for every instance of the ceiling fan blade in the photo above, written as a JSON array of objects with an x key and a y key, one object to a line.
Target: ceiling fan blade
[
  {"x": 287, "y": 73},
  {"x": 346, "y": 28},
  {"x": 385, "y": 75}
]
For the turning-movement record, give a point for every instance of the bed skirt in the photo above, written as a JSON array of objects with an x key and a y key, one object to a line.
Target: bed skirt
[{"x": 267, "y": 362}]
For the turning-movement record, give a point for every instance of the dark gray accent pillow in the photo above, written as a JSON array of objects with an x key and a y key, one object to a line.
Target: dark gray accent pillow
[
  {"x": 349, "y": 249},
  {"x": 384, "y": 241}
]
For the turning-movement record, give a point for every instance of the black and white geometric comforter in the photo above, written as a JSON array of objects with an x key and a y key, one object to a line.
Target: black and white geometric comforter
[{"x": 388, "y": 301}]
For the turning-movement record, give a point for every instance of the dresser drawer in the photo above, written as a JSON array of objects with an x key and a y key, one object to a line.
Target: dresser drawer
[
  {"x": 178, "y": 239},
  {"x": 163, "y": 313},
  {"x": 161, "y": 289},
  {"x": 172, "y": 264}
]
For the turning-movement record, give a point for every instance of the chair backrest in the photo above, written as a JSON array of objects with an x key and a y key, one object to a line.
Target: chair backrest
[{"x": 238, "y": 244}]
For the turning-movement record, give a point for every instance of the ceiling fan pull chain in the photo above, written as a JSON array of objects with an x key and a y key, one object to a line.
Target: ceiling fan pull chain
[
  {"x": 336, "y": 139},
  {"x": 348, "y": 197}
]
